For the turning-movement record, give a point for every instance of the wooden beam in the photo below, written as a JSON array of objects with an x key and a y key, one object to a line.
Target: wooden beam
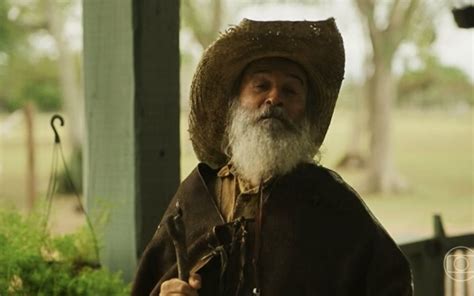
[
  {"x": 131, "y": 64},
  {"x": 156, "y": 63},
  {"x": 109, "y": 158}
]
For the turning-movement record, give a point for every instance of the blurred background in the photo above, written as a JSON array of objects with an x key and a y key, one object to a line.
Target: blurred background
[{"x": 402, "y": 133}]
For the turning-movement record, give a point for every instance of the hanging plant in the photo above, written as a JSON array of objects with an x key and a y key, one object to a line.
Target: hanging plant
[{"x": 32, "y": 262}]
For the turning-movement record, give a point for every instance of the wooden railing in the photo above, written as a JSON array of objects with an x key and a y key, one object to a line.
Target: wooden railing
[{"x": 442, "y": 266}]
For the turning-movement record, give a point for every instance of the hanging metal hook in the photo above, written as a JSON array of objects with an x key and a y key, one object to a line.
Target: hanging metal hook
[{"x": 61, "y": 121}]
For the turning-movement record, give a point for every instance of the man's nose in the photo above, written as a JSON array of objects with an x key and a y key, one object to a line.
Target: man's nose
[{"x": 274, "y": 97}]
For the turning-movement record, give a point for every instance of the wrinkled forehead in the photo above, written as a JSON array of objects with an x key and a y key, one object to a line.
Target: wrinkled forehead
[{"x": 268, "y": 65}]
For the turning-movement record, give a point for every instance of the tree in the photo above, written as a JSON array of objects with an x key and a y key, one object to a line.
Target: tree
[
  {"x": 54, "y": 13},
  {"x": 420, "y": 87},
  {"x": 71, "y": 86},
  {"x": 385, "y": 36},
  {"x": 50, "y": 78},
  {"x": 204, "y": 22},
  {"x": 28, "y": 75},
  {"x": 11, "y": 34}
]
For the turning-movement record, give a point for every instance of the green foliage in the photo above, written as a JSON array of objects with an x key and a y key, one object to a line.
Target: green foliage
[
  {"x": 11, "y": 34},
  {"x": 26, "y": 73},
  {"x": 32, "y": 263},
  {"x": 30, "y": 80},
  {"x": 435, "y": 85},
  {"x": 44, "y": 93}
]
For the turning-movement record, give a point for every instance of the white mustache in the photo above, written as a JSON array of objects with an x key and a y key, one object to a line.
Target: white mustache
[{"x": 276, "y": 112}]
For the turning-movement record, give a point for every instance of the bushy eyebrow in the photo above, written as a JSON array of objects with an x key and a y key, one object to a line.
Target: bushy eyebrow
[
  {"x": 297, "y": 78},
  {"x": 291, "y": 75}
]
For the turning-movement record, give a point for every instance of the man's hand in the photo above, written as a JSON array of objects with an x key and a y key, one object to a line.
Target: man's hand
[{"x": 177, "y": 287}]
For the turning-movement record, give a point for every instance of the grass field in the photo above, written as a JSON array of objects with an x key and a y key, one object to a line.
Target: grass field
[{"x": 434, "y": 152}]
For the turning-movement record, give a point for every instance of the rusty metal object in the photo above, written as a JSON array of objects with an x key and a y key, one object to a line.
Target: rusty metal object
[{"x": 176, "y": 230}]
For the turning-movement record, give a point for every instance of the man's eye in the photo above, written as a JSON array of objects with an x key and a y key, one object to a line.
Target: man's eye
[
  {"x": 260, "y": 86},
  {"x": 290, "y": 91}
]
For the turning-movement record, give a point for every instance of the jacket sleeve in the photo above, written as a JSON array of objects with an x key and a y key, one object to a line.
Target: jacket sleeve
[{"x": 389, "y": 272}]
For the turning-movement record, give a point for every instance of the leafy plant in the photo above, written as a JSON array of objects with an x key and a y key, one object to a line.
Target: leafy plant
[{"x": 35, "y": 263}]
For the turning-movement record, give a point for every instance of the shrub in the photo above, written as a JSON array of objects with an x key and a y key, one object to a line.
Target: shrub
[{"x": 32, "y": 263}]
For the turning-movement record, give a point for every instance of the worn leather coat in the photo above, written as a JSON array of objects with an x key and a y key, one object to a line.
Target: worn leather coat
[{"x": 317, "y": 238}]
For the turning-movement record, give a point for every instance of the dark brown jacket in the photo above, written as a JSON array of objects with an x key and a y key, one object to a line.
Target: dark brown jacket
[{"x": 317, "y": 238}]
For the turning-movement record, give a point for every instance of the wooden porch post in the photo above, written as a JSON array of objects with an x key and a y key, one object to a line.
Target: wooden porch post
[
  {"x": 131, "y": 157},
  {"x": 156, "y": 52}
]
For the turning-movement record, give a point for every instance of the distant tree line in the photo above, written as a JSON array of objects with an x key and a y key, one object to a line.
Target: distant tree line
[
  {"x": 435, "y": 85},
  {"x": 36, "y": 62}
]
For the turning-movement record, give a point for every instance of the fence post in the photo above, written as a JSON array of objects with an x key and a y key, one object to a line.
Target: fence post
[{"x": 31, "y": 168}]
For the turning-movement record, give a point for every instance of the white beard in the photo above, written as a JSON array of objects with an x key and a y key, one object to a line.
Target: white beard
[{"x": 260, "y": 149}]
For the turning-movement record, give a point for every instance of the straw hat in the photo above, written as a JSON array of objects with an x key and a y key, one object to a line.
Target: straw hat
[{"x": 315, "y": 45}]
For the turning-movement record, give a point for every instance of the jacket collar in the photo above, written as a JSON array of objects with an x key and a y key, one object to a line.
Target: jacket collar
[{"x": 307, "y": 181}]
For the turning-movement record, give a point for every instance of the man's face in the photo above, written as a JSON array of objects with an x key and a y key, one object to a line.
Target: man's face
[
  {"x": 269, "y": 133},
  {"x": 275, "y": 82}
]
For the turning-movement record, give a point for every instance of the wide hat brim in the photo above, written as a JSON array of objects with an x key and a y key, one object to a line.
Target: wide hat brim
[{"x": 316, "y": 46}]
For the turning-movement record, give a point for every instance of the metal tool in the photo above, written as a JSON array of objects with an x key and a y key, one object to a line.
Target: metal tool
[{"x": 176, "y": 230}]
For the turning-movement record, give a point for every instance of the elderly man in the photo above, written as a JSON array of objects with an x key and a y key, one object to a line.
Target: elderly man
[{"x": 261, "y": 216}]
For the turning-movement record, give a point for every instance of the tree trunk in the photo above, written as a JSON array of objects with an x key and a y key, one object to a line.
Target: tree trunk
[
  {"x": 31, "y": 167},
  {"x": 353, "y": 157},
  {"x": 382, "y": 176}
]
